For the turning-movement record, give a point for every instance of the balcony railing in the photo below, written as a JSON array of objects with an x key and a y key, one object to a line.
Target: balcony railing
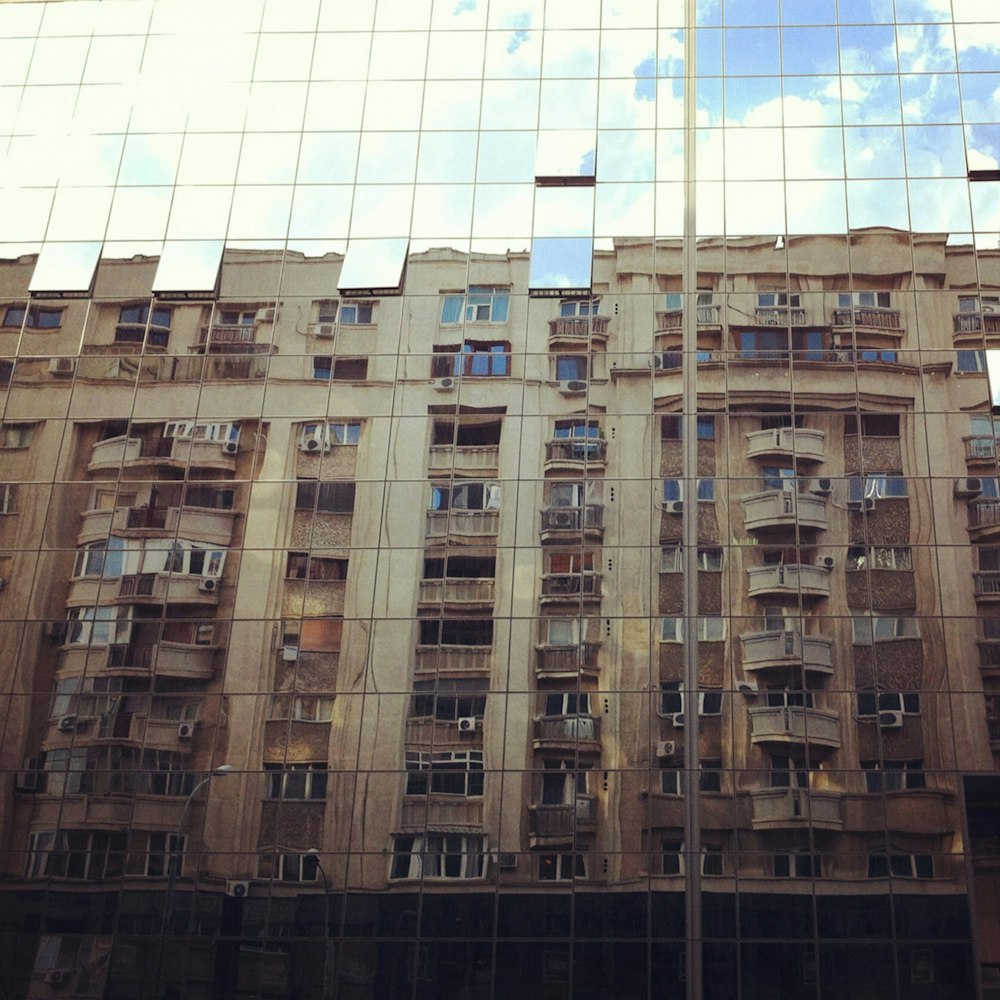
[
  {"x": 567, "y": 661},
  {"x": 587, "y": 518},
  {"x": 871, "y": 316},
  {"x": 794, "y": 724},
  {"x": 168, "y": 659},
  {"x": 673, "y": 319},
  {"x": 780, "y": 316},
  {"x": 563, "y": 820},
  {"x": 464, "y": 459},
  {"x": 571, "y": 585},
  {"x": 976, "y": 322},
  {"x": 778, "y": 808},
  {"x": 980, "y": 449},
  {"x": 578, "y": 327},
  {"x": 783, "y": 508},
  {"x": 567, "y": 729},
  {"x": 160, "y": 588},
  {"x": 805, "y": 443},
  {"x": 447, "y": 659},
  {"x": 787, "y": 648},
  {"x": 984, "y": 514},
  {"x": 458, "y": 590},
  {"x": 987, "y": 584},
  {"x": 229, "y": 333},
  {"x": 462, "y": 524},
  {"x": 789, "y": 579},
  {"x": 584, "y": 450}
]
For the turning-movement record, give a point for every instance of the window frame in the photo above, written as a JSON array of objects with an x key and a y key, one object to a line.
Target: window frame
[
  {"x": 711, "y": 628},
  {"x": 491, "y": 305},
  {"x": 416, "y": 853},
  {"x": 437, "y": 771},
  {"x": 282, "y": 779}
]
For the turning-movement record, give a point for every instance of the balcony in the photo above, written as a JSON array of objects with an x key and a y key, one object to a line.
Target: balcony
[
  {"x": 984, "y": 515},
  {"x": 804, "y": 443},
  {"x": 165, "y": 659},
  {"x": 575, "y": 453},
  {"x": 168, "y": 588},
  {"x": 564, "y": 820},
  {"x": 568, "y": 732},
  {"x": 784, "y": 509},
  {"x": 226, "y": 336},
  {"x": 793, "y": 724},
  {"x": 977, "y": 322},
  {"x": 987, "y": 585},
  {"x": 790, "y": 581},
  {"x": 461, "y": 592},
  {"x": 461, "y": 527},
  {"x": 444, "y": 812},
  {"x": 199, "y": 524},
  {"x": 780, "y": 316},
  {"x": 989, "y": 654},
  {"x": 565, "y": 524},
  {"x": 114, "y": 453},
  {"x": 871, "y": 317},
  {"x": 980, "y": 449},
  {"x": 790, "y": 648},
  {"x": 559, "y": 662},
  {"x": 577, "y": 329},
  {"x": 464, "y": 460},
  {"x": 563, "y": 586},
  {"x": 673, "y": 319},
  {"x": 454, "y": 659},
  {"x": 795, "y": 808}
]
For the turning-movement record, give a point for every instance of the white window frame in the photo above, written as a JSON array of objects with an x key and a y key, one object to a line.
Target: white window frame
[
  {"x": 873, "y": 557},
  {"x": 8, "y": 498},
  {"x": 169, "y": 849},
  {"x": 865, "y": 299},
  {"x": 677, "y": 487},
  {"x": 703, "y": 696},
  {"x": 176, "y": 556},
  {"x": 869, "y": 628},
  {"x": 98, "y": 626},
  {"x": 463, "y": 763},
  {"x": 671, "y": 559},
  {"x": 893, "y": 779},
  {"x": 711, "y": 628},
  {"x": 579, "y": 308},
  {"x": 427, "y": 854},
  {"x": 889, "y": 701},
  {"x": 189, "y": 430},
  {"x": 573, "y": 703},
  {"x": 315, "y": 787},
  {"x": 302, "y": 707},
  {"x": 16, "y": 434},
  {"x": 566, "y": 865},
  {"x": 478, "y": 311},
  {"x": 288, "y": 866},
  {"x": 490, "y": 499}
]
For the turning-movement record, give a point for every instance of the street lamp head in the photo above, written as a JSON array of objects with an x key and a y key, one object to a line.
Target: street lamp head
[
  {"x": 223, "y": 769},
  {"x": 313, "y": 851}
]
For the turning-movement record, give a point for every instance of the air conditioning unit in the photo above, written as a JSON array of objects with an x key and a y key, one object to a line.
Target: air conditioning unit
[
  {"x": 678, "y": 720},
  {"x": 890, "y": 720},
  {"x": 312, "y": 442},
  {"x": 674, "y": 506},
  {"x": 467, "y": 724},
  {"x": 208, "y": 584},
  {"x": 185, "y": 731},
  {"x": 445, "y": 384},
  {"x": 237, "y": 888},
  {"x": 971, "y": 487},
  {"x": 289, "y": 653},
  {"x": 230, "y": 447},
  {"x": 325, "y": 330},
  {"x": 563, "y": 519},
  {"x": 265, "y": 316},
  {"x": 821, "y": 486},
  {"x": 55, "y": 978},
  {"x": 56, "y": 629},
  {"x": 62, "y": 366},
  {"x": 574, "y": 387},
  {"x": 666, "y": 748},
  {"x": 825, "y": 562},
  {"x": 67, "y": 724},
  {"x": 507, "y": 861}
]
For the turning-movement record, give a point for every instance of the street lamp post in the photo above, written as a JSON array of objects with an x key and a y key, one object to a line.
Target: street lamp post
[{"x": 174, "y": 862}]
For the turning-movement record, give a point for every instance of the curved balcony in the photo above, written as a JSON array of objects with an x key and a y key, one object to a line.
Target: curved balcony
[
  {"x": 95, "y": 526},
  {"x": 976, "y": 322},
  {"x": 199, "y": 524},
  {"x": 762, "y": 650},
  {"x": 673, "y": 319},
  {"x": 580, "y": 733},
  {"x": 168, "y": 588},
  {"x": 563, "y": 820},
  {"x": 165, "y": 659},
  {"x": 803, "y": 443},
  {"x": 784, "y": 509},
  {"x": 113, "y": 454},
  {"x": 153, "y": 734},
  {"x": 794, "y": 808},
  {"x": 789, "y": 581},
  {"x": 464, "y": 460},
  {"x": 566, "y": 524},
  {"x": 794, "y": 725},
  {"x": 578, "y": 329},
  {"x": 454, "y": 659},
  {"x": 980, "y": 449},
  {"x": 575, "y": 454},
  {"x": 869, "y": 317},
  {"x": 458, "y": 591},
  {"x": 560, "y": 662},
  {"x": 461, "y": 526}
]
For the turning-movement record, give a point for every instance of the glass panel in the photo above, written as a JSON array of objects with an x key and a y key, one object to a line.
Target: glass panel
[{"x": 65, "y": 267}]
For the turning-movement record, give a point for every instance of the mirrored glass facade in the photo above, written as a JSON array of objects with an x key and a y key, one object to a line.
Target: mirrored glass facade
[{"x": 499, "y": 498}]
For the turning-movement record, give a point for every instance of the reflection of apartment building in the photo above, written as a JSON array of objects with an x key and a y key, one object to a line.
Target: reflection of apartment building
[{"x": 430, "y": 615}]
